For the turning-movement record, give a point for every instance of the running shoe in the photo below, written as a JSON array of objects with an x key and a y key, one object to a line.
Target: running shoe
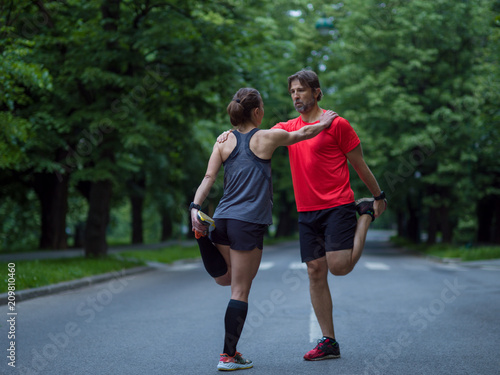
[
  {"x": 364, "y": 206},
  {"x": 326, "y": 349},
  {"x": 236, "y": 362},
  {"x": 207, "y": 221}
]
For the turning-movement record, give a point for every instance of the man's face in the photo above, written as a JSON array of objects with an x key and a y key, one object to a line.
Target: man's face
[{"x": 302, "y": 96}]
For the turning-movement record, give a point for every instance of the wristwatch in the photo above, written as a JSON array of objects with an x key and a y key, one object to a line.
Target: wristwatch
[
  {"x": 193, "y": 205},
  {"x": 381, "y": 196}
]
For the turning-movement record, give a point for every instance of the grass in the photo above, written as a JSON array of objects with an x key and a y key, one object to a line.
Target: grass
[
  {"x": 165, "y": 255},
  {"x": 464, "y": 253},
  {"x": 37, "y": 273}
]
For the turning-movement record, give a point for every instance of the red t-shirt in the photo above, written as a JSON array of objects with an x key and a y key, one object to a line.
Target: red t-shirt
[{"x": 319, "y": 165}]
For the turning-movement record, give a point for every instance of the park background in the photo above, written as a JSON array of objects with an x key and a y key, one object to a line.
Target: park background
[{"x": 109, "y": 110}]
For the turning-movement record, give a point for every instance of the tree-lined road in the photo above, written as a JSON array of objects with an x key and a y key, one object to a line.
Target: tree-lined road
[{"x": 394, "y": 314}]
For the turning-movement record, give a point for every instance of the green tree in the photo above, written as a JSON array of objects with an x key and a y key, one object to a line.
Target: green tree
[
  {"x": 406, "y": 74},
  {"x": 122, "y": 90},
  {"x": 23, "y": 81}
]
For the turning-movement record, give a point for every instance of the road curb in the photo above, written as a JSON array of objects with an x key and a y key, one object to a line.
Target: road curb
[{"x": 27, "y": 294}]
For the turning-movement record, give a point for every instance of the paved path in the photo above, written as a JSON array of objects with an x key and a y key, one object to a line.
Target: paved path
[{"x": 396, "y": 313}]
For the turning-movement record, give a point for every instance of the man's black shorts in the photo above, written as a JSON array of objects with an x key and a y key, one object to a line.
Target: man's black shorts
[
  {"x": 326, "y": 230},
  {"x": 238, "y": 235}
]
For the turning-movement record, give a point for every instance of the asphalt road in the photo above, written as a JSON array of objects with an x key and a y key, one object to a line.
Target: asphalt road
[{"x": 394, "y": 314}]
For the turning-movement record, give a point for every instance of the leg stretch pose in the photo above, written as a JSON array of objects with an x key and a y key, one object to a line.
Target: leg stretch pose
[
  {"x": 330, "y": 238},
  {"x": 244, "y": 211},
  {"x": 216, "y": 260}
]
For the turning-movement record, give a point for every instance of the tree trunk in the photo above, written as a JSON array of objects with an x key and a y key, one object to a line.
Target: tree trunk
[
  {"x": 413, "y": 225},
  {"x": 137, "y": 188},
  {"x": 137, "y": 203},
  {"x": 446, "y": 226},
  {"x": 485, "y": 216},
  {"x": 496, "y": 222},
  {"x": 401, "y": 224},
  {"x": 98, "y": 219},
  {"x": 166, "y": 225},
  {"x": 79, "y": 235},
  {"x": 100, "y": 191},
  {"x": 432, "y": 226},
  {"x": 287, "y": 223},
  {"x": 53, "y": 194}
]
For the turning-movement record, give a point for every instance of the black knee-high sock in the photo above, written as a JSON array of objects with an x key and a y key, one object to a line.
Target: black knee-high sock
[
  {"x": 234, "y": 321},
  {"x": 212, "y": 258}
]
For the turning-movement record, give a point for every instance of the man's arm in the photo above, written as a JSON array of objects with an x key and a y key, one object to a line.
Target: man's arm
[
  {"x": 267, "y": 141},
  {"x": 284, "y": 138},
  {"x": 223, "y": 136},
  {"x": 356, "y": 159},
  {"x": 306, "y": 134}
]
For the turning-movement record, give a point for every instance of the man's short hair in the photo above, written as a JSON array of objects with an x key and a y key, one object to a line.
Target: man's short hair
[{"x": 306, "y": 78}]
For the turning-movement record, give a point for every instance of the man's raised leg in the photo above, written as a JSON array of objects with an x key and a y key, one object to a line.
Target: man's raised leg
[{"x": 341, "y": 262}]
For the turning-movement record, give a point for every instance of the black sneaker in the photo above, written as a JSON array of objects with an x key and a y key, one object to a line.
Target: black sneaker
[
  {"x": 326, "y": 349},
  {"x": 364, "y": 206}
]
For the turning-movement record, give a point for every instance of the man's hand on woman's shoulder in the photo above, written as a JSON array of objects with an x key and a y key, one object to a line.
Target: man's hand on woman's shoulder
[{"x": 223, "y": 137}]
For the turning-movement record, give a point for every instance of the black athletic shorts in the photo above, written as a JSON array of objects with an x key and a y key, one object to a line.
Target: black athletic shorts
[
  {"x": 326, "y": 230},
  {"x": 238, "y": 235}
]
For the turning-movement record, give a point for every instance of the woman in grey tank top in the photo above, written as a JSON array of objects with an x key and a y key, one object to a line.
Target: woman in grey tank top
[{"x": 244, "y": 211}]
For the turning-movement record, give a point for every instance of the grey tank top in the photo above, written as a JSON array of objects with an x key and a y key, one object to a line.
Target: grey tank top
[{"x": 248, "y": 188}]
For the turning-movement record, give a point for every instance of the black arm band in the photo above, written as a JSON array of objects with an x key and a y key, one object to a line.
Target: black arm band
[{"x": 193, "y": 205}]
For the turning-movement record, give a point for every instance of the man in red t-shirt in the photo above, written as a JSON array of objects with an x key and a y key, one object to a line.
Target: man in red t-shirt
[{"x": 330, "y": 237}]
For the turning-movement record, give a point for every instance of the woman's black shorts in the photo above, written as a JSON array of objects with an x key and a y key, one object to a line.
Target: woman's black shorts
[{"x": 238, "y": 235}]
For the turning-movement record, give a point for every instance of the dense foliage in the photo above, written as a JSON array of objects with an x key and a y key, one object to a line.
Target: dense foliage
[{"x": 109, "y": 109}]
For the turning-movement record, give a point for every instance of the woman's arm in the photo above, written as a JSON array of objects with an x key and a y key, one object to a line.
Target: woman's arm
[{"x": 214, "y": 164}]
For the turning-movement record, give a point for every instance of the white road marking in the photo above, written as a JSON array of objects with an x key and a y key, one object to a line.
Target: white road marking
[
  {"x": 297, "y": 266},
  {"x": 490, "y": 268},
  {"x": 174, "y": 267},
  {"x": 451, "y": 266},
  {"x": 184, "y": 267},
  {"x": 266, "y": 265},
  {"x": 415, "y": 267},
  {"x": 314, "y": 329},
  {"x": 377, "y": 266}
]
